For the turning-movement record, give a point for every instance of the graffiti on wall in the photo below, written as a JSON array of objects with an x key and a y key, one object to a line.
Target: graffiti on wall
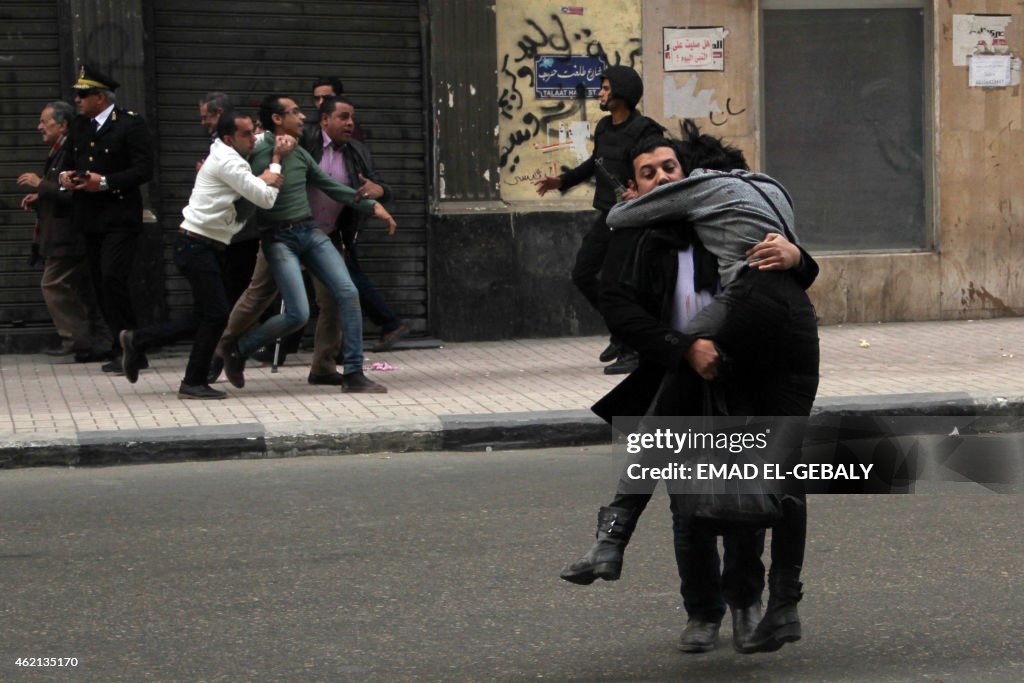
[{"x": 540, "y": 136}]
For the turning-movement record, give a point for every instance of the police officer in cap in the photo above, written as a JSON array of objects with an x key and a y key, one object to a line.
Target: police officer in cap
[{"x": 110, "y": 158}]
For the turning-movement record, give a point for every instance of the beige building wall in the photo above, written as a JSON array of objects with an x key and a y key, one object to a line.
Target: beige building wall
[
  {"x": 974, "y": 143},
  {"x": 536, "y": 136}
]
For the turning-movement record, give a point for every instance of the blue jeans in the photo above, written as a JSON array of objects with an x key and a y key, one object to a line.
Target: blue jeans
[{"x": 286, "y": 251}]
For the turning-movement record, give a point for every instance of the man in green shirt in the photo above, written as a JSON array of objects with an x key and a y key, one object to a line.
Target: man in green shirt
[{"x": 291, "y": 238}]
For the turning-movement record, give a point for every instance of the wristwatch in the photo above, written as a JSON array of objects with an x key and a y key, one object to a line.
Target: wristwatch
[{"x": 103, "y": 183}]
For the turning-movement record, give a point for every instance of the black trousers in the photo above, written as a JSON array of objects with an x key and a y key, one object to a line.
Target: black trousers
[
  {"x": 769, "y": 335},
  {"x": 111, "y": 257},
  {"x": 586, "y": 274},
  {"x": 202, "y": 265}
]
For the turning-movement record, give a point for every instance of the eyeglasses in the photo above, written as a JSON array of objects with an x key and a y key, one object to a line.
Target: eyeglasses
[
  {"x": 82, "y": 94},
  {"x": 295, "y": 111}
]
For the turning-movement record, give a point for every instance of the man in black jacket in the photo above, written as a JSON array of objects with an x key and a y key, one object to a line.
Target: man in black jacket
[
  {"x": 336, "y": 130},
  {"x": 614, "y": 137},
  {"x": 111, "y": 157},
  {"x": 651, "y": 304}
]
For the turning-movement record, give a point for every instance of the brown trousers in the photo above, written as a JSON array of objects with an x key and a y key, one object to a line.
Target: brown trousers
[{"x": 71, "y": 301}]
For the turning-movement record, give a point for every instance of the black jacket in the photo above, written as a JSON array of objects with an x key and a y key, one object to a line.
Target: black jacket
[
  {"x": 637, "y": 306},
  {"x": 57, "y": 236},
  {"x": 612, "y": 144},
  {"x": 358, "y": 161},
  {"x": 121, "y": 150}
]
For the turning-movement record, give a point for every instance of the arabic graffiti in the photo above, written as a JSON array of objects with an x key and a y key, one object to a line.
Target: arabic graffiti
[
  {"x": 543, "y": 39},
  {"x": 728, "y": 110}
]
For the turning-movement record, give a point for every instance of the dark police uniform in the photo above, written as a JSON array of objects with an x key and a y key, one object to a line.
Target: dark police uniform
[{"x": 111, "y": 219}]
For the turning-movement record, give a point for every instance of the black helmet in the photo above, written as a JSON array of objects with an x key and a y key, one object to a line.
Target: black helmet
[{"x": 626, "y": 84}]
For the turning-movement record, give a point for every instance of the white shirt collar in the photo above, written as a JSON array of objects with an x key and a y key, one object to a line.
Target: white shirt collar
[{"x": 102, "y": 117}]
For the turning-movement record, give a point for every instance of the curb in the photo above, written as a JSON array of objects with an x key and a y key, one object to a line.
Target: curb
[{"x": 449, "y": 433}]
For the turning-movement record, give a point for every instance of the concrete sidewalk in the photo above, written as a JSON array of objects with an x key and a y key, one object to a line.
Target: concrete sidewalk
[{"x": 531, "y": 392}]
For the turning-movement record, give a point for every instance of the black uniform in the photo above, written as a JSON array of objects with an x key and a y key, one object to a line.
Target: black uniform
[
  {"x": 612, "y": 144},
  {"x": 111, "y": 220}
]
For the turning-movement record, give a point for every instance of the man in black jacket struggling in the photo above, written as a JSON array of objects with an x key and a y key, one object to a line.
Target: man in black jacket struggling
[
  {"x": 610, "y": 165},
  {"x": 336, "y": 129}
]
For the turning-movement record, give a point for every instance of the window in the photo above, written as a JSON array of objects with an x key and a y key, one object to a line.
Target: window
[{"x": 846, "y": 121}]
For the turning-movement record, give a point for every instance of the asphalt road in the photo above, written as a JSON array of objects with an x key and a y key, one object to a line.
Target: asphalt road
[{"x": 444, "y": 567}]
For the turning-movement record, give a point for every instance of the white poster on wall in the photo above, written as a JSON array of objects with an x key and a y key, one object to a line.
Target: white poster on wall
[
  {"x": 979, "y": 33},
  {"x": 694, "y": 49},
  {"x": 989, "y": 71}
]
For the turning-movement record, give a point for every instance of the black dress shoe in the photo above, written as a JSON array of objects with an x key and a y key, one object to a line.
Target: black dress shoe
[
  {"x": 113, "y": 365},
  {"x": 90, "y": 356},
  {"x": 216, "y": 367},
  {"x": 335, "y": 379},
  {"x": 234, "y": 366},
  {"x": 62, "y": 350},
  {"x": 744, "y": 621},
  {"x": 202, "y": 392},
  {"x": 611, "y": 352},
  {"x": 129, "y": 356},
  {"x": 388, "y": 339},
  {"x": 627, "y": 363},
  {"x": 265, "y": 354},
  {"x": 699, "y": 636},
  {"x": 358, "y": 383}
]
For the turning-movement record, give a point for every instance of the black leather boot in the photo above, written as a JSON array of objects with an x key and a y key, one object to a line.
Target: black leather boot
[
  {"x": 781, "y": 623},
  {"x": 604, "y": 559},
  {"x": 744, "y": 622}
]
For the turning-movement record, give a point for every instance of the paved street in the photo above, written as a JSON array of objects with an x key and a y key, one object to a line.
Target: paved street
[{"x": 443, "y": 567}]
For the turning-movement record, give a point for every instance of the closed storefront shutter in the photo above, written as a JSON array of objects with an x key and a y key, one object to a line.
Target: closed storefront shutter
[
  {"x": 31, "y": 67},
  {"x": 252, "y": 49}
]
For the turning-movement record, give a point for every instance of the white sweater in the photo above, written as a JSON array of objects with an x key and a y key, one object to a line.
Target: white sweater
[{"x": 224, "y": 177}]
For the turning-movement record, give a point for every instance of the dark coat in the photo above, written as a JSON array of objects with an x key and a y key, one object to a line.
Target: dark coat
[
  {"x": 121, "y": 150},
  {"x": 638, "y": 306},
  {"x": 358, "y": 161},
  {"x": 57, "y": 237}
]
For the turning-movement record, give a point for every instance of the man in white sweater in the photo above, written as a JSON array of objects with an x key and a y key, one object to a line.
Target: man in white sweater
[{"x": 211, "y": 220}]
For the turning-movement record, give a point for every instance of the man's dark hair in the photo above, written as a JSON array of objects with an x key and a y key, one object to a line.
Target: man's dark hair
[
  {"x": 332, "y": 81},
  {"x": 327, "y": 105},
  {"x": 227, "y": 125},
  {"x": 651, "y": 143},
  {"x": 698, "y": 150},
  {"x": 216, "y": 101},
  {"x": 62, "y": 111},
  {"x": 271, "y": 105}
]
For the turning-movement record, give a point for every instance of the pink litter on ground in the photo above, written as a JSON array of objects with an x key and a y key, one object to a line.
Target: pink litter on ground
[{"x": 382, "y": 367}]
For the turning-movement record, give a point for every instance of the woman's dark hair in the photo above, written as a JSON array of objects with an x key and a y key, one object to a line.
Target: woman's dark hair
[{"x": 697, "y": 150}]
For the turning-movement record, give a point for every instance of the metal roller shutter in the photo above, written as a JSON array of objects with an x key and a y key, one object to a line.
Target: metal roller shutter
[
  {"x": 31, "y": 67},
  {"x": 254, "y": 48}
]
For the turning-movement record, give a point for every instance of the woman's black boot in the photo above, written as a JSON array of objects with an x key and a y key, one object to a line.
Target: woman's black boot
[
  {"x": 781, "y": 623},
  {"x": 604, "y": 559}
]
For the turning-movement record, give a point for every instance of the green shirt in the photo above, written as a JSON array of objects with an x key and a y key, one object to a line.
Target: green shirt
[{"x": 299, "y": 169}]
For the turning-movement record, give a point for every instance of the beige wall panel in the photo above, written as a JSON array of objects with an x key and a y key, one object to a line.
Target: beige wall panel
[
  {"x": 877, "y": 287},
  {"x": 528, "y": 135},
  {"x": 980, "y": 176},
  {"x": 721, "y": 102}
]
